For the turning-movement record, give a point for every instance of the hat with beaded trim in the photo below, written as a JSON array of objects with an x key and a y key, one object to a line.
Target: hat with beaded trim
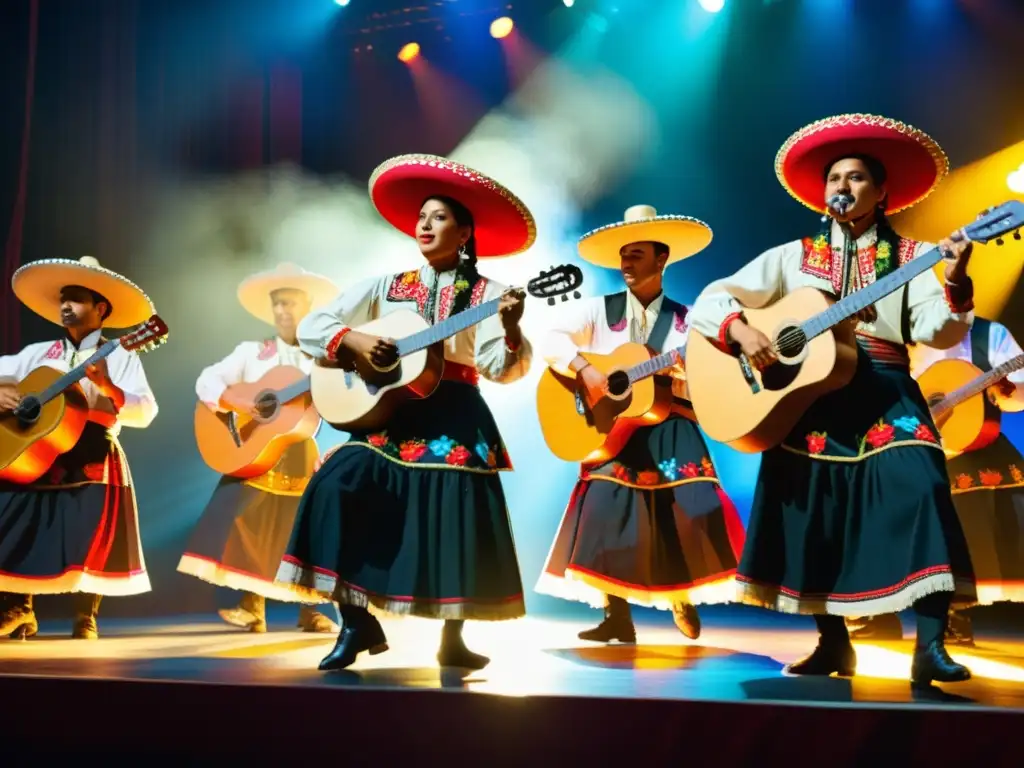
[
  {"x": 38, "y": 286},
  {"x": 914, "y": 162},
  {"x": 502, "y": 224},
  {"x": 685, "y": 236}
]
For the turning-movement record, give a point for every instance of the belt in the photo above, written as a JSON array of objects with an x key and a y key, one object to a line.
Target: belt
[{"x": 464, "y": 374}]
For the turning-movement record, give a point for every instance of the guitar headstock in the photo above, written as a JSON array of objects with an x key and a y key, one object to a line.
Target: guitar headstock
[
  {"x": 144, "y": 337},
  {"x": 557, "y": 281},
  {"x": 995, "y": 222}
]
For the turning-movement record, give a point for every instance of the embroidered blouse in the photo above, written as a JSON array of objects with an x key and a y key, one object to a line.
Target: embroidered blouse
[
  {"x": 933, "y": 320},
  {"x": 432, "y": 295},
  {"x": 247, "y": 363},
  {"x": 125, "y": 370}
]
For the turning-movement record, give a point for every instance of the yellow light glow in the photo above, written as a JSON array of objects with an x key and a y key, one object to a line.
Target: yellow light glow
[
  {"x": 501, "y": 27},
  {"x": 409, "y": 52},
  {"x": 1015, "y": 181}
]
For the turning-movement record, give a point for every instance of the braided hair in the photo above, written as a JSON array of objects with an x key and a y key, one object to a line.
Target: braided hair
[
  {"x": 879, "y": 176},
  {"x": 467, "y": 263}
]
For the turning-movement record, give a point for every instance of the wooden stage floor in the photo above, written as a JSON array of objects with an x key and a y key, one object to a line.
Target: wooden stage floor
[{"x": 735, "y": 661}]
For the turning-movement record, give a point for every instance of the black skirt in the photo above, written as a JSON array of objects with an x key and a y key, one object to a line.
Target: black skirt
[
  {"x": 412, "y": 519},
  {"x": 652, "y": 526}
]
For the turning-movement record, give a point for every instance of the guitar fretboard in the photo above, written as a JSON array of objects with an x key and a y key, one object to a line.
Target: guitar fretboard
[
  {"x": 447, "y": 328},
  {"x": 293, "y": 390},
  {"x": 981, "y": 383},
  {"x": 655, "y": 364},
  {"x": 76, "y": 374}
]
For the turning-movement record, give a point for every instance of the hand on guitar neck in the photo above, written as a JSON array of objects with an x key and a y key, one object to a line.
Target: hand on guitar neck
[
  {"x": 1001, "y": 391},
  {"x": 365, "y": 353}
]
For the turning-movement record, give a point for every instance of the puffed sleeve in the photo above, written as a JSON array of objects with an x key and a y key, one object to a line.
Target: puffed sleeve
[
  {"x": 756, "y": 285},
  {"x": 215, "y": 378},
  {"x": 320, "y": 332},
  {"x": 14, "y": 368},
  {"x": 571, "y": 329},
  {"x": 935, "y": 319},
  {"x": 140, "y": 406},
  {"x": 1002, "y": 348},
  {"x": 495, "y": 360}
]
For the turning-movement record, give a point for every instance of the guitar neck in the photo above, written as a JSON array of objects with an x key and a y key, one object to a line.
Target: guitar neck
[
  {"x": 865, "y": 297},
  {"x": 980, "y": 384},
  {"x": 447, "y": 328},
  {"x": 76, "y": 374},
  {"x": 293, "y": 390},
  {"x": 655, "y": 364}
]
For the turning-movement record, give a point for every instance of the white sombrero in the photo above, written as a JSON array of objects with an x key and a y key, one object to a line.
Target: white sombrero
[
  {"x": 38, "y": 285},
  {"x": 684, "y": 236},
  {"x": 254, "y": 292}
]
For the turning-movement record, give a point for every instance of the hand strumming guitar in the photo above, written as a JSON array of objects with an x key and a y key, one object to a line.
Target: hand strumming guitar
[
  {"x": 9, "y": 398},
  {"x": 371, "y": 351},
  {"x": 593, "y": 383},
  {"x": 755, "y": 345}
]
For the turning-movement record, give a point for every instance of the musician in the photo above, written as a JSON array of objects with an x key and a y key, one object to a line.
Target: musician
[
  {"x": 852, "y": 515},
  {"x": 987, "y": 487},
  {"x": 244, "y": 529},
  {"x": 411, "y": 518},
  {"x": 652, "y": 526},
  {"x": 76, "y": 528}
]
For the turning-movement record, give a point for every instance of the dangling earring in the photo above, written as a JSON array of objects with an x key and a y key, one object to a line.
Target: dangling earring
[{"x": 463, "y": 253}]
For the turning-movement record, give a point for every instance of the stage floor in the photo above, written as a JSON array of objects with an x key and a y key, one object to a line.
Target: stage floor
[{"x": 736, "y": 661}]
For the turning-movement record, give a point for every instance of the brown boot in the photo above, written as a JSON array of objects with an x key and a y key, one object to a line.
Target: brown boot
[
  {"x": 311, "y": 620},
  {"x": 959, "y": 630},
  {"x": 687, "y": 619},
  {"x": 250, "y": 614},
  {"x": 85, "y": 627},
  {"x": 887, "y": 626},
  {"x": 18, "y": 620},
  {"x": 617, "y": 624}
]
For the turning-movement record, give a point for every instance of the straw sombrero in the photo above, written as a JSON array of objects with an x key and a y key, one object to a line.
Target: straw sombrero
[
  {"x": 685, "y": 236},
  {"x": 254, "y": 292},
  {"x": 38, "y": 285},
  {"x": 913, "y": 160},
  {"x": 503, "y": 225}
]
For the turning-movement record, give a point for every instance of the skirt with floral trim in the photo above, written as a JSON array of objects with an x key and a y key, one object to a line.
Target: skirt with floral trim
[
  {"x": 412, "y": 519},
  {"x": 651, "y": 526},
  {"x": 852, "y": 514},
  {"x": 988, "y": 492}
]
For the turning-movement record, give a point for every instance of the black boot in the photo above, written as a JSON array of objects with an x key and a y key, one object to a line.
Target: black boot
[
  {"x": 87, "y": 608},
  {"x": 453, "y": 651},
  {"x": 360, "y": 631},
  {"x": 834, "y": 653},
  {"x": 18, "y": 620},
  {"x": 617, "y": 624},
  {"x": 932, "y": 662},
  {"x": 884, "y": 627}
]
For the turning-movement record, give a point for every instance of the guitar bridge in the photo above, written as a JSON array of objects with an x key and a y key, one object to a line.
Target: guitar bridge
[
  {"x": 581, "y": 407},
  {"x": 228, "y": 420},
  {"x": 748, "y": 374}
]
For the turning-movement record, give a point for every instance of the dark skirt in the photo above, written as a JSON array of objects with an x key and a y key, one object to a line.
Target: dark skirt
[
  {"x": 242, "y": 533},
  {"x": 988, "y": 492},
  {"x": 412, "y": 519},
  {"x": 651, "y": 526},
  {"x": 852, "y": 514},
  {"x": 76, "y": 529}
]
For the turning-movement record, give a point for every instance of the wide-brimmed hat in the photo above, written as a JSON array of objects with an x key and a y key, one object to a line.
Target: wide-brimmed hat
[
  {"x": 684, "y": 236},
  {"x": 38, "y": 285},
  {"x": 254, "y": 292},
  {"x": 914, "y": 162},
  {"x": 503, "y": 225}
]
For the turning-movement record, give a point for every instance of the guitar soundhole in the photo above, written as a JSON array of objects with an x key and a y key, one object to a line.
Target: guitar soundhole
[
  {"x": 790, "y": 341},
  {"x": 28, "y": 410},
  {"x": 267, "y": 406},
  {"x": 618, "y": 383}
]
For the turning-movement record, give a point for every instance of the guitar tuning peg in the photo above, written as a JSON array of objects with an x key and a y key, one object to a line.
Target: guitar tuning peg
[
  {"x": 564, "y": 298},
  {"x": 1016, "y": 235},
  {"x": 999, "y": 241},
  {"x": 551, "y": 301},
  {"x": 576, "y": 294}
]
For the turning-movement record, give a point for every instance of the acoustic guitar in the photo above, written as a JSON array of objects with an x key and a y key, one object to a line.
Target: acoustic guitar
[
  {"x": 577, "y": 431},
  {"x": 813, "y": 338},
  {"x": 248, "y": 445},
  {"x": 955, "y": 390},
  {"x": 53, "y": 410},
  {"x": 366, "y": 397}
]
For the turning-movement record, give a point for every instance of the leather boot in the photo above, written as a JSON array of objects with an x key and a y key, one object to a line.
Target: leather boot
[
  {"x": 959, "y": 630},
  {"x": 18, "y": 620},
  {"x": 85, "y": 627},
  {"x": 884, "y": 627},
  {"x": 617, "y": 624},
  {"x": 932, "y": 663},
  {"x": 687, "y": 619},
  {"x": 311, "y": 620},
  {"x": 834, "y": 653},
  {"x": 250, "y": 614},
  {"x": 360, "y": 631},
  {"x": 453, "y": 651}
]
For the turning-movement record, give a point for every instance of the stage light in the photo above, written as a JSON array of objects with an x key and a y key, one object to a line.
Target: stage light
[
  {"x": 501, "y": 27},
  {"x": 1015, "y": 181},
  {"x": 712, "y": 6},
  {"x": 568, "y": 3},
  {"x": 342, "y": 3},
  {"x": 409, "y": 52}
]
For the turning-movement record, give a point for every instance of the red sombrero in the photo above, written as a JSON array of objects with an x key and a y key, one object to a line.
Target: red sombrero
[
  {"x": 503, "y": 225},
  {"x": 913, "y": 160}
]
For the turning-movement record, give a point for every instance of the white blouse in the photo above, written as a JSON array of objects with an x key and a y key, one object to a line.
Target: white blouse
[
  {"x": 780, "y": 270},
  {"x": 481, "y": 346},
  {"x": 247, "y": 363},
  {"x": 125, "y": 370}
]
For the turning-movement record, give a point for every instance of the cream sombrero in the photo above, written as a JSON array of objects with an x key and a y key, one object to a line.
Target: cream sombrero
[
  {"x": 38, "y": 285},
  {"x": 503, "y": 225},
  {"x": 254, "y": 292},
  {"x": 685, "y": 236},
  {"x": 913, "y": 160}
]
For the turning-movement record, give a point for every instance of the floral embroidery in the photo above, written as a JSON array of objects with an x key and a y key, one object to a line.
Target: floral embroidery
[
  {"x": 907, "y": 423},
  {"x": 923, "y": 432},
  {"x": 442, "y": 446},
  {"x": 880, "y": 434},
  {"x": 691, "y": 470},
  {"x": 964, "y": 481},
  {"x": 486, "y": 454},
  {"x": 990, "y": 477},
  {"x": 707, "y": 467},
  {"x": 434, "y": 452},
  {"x": 821, "y": 260},
  {"x": 647, "y": 477},
  {"x": 408, "y": 287},
  {"x": 680, "y": 321},
  {"x": 95, "y": 471},
  {"x": 1016, "y": 474},
  {"x": 883, "y": 258},
  {"x": 461, "y": 284},
  {"x": 378, "y": 440},
  {"x": 412, "y": 450},
  {"x": 478, "y": 292},
  {"x": 458, "y": 456},
  {"x": 55, "y": 352},
  {"x": 268, "y": 350},
  {"x": 668, "y": 471},
  {"x": 445, "y": 303},
  {"x": 619, "y": 326},
  {"x": 816, "y": 442}
]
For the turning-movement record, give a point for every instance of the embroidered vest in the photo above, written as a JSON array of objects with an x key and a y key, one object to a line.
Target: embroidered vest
[
  {"x": 615, "y": 312},
  {"x": 980, "y": 344}
]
